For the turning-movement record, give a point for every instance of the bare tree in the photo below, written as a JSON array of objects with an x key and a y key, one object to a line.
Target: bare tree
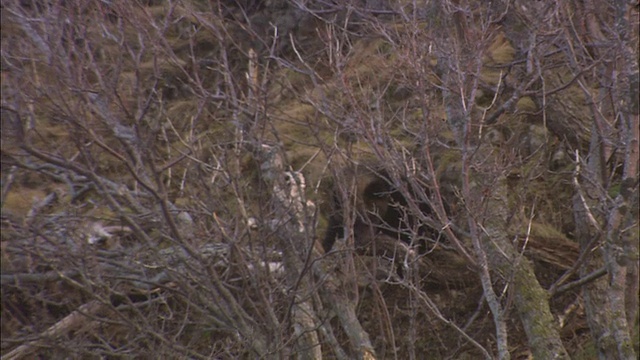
[
  {"x": 169, "y": 166},
  {"x": 606, "y": 179}
]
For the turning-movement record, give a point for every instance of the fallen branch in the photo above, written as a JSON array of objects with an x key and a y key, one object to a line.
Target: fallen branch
[{"x": 69, "y": 323}]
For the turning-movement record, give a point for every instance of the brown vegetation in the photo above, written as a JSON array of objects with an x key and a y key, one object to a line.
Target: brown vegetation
[{"x": 168, "y": 169}]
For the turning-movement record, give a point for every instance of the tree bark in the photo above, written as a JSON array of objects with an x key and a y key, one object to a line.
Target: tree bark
[
  {"x": 530, "y": 299},
  {"x": 295, "y": 244}
]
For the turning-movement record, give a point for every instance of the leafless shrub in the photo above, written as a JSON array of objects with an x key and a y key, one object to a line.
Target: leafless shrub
[{"x": 166, "y": 168}]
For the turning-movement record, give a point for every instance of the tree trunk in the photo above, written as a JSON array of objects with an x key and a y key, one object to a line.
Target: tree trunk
[
  {"x": 530, "y": 299},
  {"x": 604, "y": 299}
]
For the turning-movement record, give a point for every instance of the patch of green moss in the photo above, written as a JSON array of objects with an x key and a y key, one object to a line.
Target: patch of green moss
[
  {"x": 20, "y": 200},
  {"x": 526, "y": 104},
  {"x": 501, "y": 52},
  {"x": 546, "y": 231},
  {"x": 384, "y": 48},
  {"x": 614, "y": 190}
]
